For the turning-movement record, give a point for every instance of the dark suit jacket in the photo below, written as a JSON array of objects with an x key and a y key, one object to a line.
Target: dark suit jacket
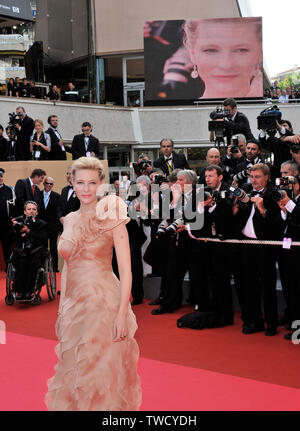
[
  {"x": 78, "y": 146},
  {"x": 56, "y": 153},
  {"x": 240, "y": 124},
  {"x": 65, "y": 206},
  {"x": 49, "y": 214},
  {"x": 179, "y": 161},
  {"x": 23, "y": 193},
  {"x": 269, "y": 227},
  {"x": 3, "y": 149},
  {"x": 293, "y": 223},
  {"x": 23, "y": 139}
]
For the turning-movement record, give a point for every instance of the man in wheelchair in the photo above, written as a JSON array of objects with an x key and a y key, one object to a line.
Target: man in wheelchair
[{"x": 29, "y": 254}]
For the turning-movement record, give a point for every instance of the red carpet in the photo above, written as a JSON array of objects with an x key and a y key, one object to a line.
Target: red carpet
[{"x": 180, "y": 369}]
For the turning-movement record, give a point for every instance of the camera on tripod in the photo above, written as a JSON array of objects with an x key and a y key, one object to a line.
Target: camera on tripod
[
  {"x": 219, "y": 114},
  {"x": 268, "y": 119}
]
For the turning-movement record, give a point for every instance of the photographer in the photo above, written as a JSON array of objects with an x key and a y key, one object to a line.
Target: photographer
[
  {"x": 279, "y": 146},
  {"x": 213, "y": 157},
  {"x": 169, "y": 159},
  {"x": 11, "y": 144},
  {"x": 235, "y": 151},
  {"x": 143, "y": 166},
  {"x": 6, "y": 196},
  {"x": 259, "y": 221},
  {"x": 222, "y": 226},
  {"x": 31, "y": 241},
  {"x": 24, "y": 126},
  {"x": 236, "y": 122},
  {"x": 252, "y": 157},
  {"x": 173, "y": 240},
  {"x": 3, "y": 146},
  {"x": 289, "y": 254}
]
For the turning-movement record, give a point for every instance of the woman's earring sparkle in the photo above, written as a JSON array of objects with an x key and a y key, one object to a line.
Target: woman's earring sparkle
[{"x": 194, "y": 73}]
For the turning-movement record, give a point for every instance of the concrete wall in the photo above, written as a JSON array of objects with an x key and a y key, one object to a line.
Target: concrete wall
[
  {"x": 137, "y": 126},
  {"x": 119, "y": 23}
]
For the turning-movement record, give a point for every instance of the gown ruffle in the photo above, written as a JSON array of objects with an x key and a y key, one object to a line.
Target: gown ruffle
[{"x": 93, "y": 372}]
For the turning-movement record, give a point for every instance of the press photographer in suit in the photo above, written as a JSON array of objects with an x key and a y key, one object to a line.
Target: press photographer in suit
[
  {"x": 24, "y": 131},
  {"x": 31, "y": 240},
  {"x": 48, "y": 213},
  {"x": 236, "y": 122},
  {"x": 170, "y": 160},
  {"x": 85, "y": 145},
  {"x": 290, "y": 256},
  {"x": 260, "y": 220},
  {"x": 68, "y": 201},
  {"x": 27, "y": 189}
]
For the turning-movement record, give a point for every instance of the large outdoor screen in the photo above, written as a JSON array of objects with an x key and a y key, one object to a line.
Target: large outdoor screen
[{"x": 203, "y": 59}]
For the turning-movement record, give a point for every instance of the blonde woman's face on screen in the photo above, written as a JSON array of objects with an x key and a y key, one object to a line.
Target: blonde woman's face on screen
[
  {"x": 227, "y": 56},
  {"x": 86, "y": 183}
]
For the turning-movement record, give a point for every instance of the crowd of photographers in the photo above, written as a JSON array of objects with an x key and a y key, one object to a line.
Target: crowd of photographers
[
  {"x": 216, "y": 223},
  {"x": 234, "y": 221}
]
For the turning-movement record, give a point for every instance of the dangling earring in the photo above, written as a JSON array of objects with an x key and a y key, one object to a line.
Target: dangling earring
[{"x": 194, "y": 73}]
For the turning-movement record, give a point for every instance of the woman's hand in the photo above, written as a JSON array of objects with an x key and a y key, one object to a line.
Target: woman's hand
[{"x": 120, "y": 328}]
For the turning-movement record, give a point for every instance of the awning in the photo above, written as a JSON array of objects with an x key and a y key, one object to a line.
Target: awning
[{"x": 18, "y": 9}]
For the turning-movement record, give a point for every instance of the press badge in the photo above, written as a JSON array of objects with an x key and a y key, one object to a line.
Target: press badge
[
  {"x": 88, "y": 154},
  {"x": 37, "y": 154},
  {"x": 287, "y": 242}
]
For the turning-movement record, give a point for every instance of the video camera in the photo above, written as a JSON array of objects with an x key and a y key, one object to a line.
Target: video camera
[
  {"x": 219, "y": 114},
  {"x": 268, "y": 118}
]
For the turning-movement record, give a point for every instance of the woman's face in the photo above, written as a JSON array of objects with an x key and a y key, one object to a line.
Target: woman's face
[
  {"x": 86, "y": 183},
  {"x": 226, "y": 55},
  {"x": 38, "y": 127}
]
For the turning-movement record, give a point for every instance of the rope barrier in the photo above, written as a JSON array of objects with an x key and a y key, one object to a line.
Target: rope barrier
[{"x": 241, "y": 241}]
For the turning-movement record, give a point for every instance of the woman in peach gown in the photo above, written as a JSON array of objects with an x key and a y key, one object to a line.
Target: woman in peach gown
[{"x": 97, "y": 353}]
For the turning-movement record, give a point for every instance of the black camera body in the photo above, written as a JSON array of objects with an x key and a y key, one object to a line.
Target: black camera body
[
  {"x": 283, "y": 184},
  {"x": 234, "y": 146},
  {"x": 139, "y": 168},
  {"x": 268, "y": 118},
  {"x": 27, "y": 242},
  {"x": 14, "y": 119},
  {"x": 218, "y": 126},
  {"x": 159, "y": 179}
]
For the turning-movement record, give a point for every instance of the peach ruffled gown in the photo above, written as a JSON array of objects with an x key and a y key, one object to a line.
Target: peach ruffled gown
[{"x": 93, "y": 372}]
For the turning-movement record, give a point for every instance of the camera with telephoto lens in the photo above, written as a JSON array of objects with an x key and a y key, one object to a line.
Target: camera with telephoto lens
[
  {"x": 170, "y": 230},
  {"x": 237, "y": 196},
  {"x": 159, "y": 179},
  {"x": 284, "y": 184},
  {"x": 268, "y": 118},
  {"x": 28, "y": 244},
  {"x": 234, "y": 146}
]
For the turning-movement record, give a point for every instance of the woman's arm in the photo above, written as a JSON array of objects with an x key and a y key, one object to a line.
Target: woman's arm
[{"x": 121, "y": 244}]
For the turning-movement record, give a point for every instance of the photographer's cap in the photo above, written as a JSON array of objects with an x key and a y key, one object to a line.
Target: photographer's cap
[{"x": 1, "y": 172}]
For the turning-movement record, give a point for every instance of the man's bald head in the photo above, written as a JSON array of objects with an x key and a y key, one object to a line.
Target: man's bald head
[{"x": 213, "y": 156}]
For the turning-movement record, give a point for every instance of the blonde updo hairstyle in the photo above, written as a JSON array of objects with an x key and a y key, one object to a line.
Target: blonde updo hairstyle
[{"x": 91, "y": 163}]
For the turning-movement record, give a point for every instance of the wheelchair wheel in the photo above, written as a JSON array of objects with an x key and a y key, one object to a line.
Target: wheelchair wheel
[
  {"x": 9, "y": 282},
  {"x": 37, "y": 300},
  {"x": 50, "y": 279},
  {"x": 9, "y": 299}
]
